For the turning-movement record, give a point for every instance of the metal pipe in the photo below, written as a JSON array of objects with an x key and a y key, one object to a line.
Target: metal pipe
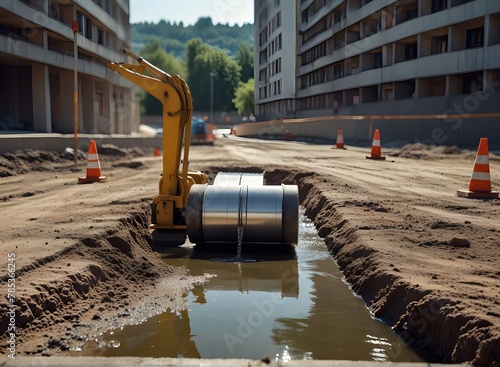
[{"x": 267, "y": 214}]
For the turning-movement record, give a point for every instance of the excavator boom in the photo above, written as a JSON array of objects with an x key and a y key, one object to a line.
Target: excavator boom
[{"x": 175, "y": 96}]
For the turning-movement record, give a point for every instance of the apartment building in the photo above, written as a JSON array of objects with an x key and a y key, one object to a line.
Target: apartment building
[
  {"x": 37, "y": 63},
  {"x": 275, "y": 57},
  {"x": 363, "y": 57}
]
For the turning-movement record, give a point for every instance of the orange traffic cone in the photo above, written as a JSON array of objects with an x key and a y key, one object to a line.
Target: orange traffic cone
[
  {"x": 376, "y": 152},
  {"x": 340, "y": 140},
  {"x": 93, "y": 166},
  {"x": 156, "y": 152},
  {"x": 480, "y": 183},
  {"x": 288, "y": 135}
]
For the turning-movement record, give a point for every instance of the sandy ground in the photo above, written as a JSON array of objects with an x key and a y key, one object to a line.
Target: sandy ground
[{"x": 424, "y": 260}]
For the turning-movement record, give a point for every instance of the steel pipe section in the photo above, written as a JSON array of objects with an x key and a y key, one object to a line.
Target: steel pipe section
[{"x": 266, "y": 214}]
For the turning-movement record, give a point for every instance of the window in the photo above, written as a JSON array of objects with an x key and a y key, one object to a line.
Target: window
[
  {"x": 387, "y": 94},
  {"x": 80, "y": 19},
  {"x": 54, "y": 10},
  {"x": 475, "y": 37},
  {"x": 438, "y": 5},
  {"x": 354, "y": 62},
  {"x": 410, "y": 14},
  {"x": 100, "y": 36},
  {"x": 84, "y": 25},
  {"x": 439, "y": 44},
  {"x": 338, "y": 71},
  {"x": 378, "y": 60},
  {"x": 472, "y": 84},
  {"x": 411, "y": 51}
]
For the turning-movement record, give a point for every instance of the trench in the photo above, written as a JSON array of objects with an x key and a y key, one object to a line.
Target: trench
[{"x": 289, "y": 304}]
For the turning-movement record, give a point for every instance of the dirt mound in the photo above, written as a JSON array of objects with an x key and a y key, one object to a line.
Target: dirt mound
[
  {"x": 111, "y": 150},
  {"x": 424, "y": 151},
  {"x": 28, "y": 160},
  {"x": 104, "y": 275},
  {"x": 23, "y": 161}
]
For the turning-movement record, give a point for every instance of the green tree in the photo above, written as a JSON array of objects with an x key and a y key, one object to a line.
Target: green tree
[
  {"x": 154, "y": 54},
  {"x": 199, "y": 73},
  {"x": 244, "y": 57},
  {"x": 205, "y": 63},
  {"x": 195, "y": 48},
  {"x": 244, "y": 98},
  {"x": 227, "y": 76}
]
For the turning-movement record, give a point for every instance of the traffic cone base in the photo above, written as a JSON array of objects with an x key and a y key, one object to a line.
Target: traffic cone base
[
  {"x": 84, "y": 180},
  {"x": 93, "y": 166},
  {"x": 381, "y": 158},
  {"x": 480, "y": 183},
  {"x": 478, "y": 194}
]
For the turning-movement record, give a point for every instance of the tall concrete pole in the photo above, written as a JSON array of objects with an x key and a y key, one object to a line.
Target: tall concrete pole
[{"x": 75, "y": 92}]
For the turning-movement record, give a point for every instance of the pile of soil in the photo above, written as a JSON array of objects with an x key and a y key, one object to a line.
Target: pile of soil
[
  {"x": 114, "y": 278},
  {"x": 23, "y": 161},
  {"x": 424, "y": 151},
  {"x": 28, "y": 160}
]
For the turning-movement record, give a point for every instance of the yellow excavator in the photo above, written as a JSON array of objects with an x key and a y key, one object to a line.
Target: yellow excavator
[{"x": 237, "y": 208}]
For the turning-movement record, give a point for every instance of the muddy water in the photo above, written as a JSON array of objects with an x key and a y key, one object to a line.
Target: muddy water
[{"x": 288, "y": 305}]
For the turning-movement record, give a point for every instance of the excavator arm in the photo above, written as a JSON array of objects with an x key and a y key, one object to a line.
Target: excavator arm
[{"x": 174, "y": 94}]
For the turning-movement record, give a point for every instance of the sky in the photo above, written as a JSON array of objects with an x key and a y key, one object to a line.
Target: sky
[{"x": 188, "y": 11}]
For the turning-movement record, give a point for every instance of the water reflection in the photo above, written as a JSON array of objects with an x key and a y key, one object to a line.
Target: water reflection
[
  {"x": 250, "y": 309},
  {"x": 276, "y": 271}
]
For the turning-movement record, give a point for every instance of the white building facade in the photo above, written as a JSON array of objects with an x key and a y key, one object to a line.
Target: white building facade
[
  {"x": 275, "y": 57},
  {"x": 37, "y": 64}
]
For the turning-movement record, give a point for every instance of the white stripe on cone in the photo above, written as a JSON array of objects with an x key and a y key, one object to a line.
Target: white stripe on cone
[
  {"x": 482, "y": 159},
  {"x": 483, "y": 176},
  {"x": 93, "y": 165}
]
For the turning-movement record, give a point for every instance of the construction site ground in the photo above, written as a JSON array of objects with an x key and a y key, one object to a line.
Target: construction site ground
[{"x": 424, "y": 260}]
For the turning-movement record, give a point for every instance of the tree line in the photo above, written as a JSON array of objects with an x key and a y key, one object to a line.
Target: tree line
[
  {"x": 173, "y": 37},
  {"x": 203, "y": 64}
]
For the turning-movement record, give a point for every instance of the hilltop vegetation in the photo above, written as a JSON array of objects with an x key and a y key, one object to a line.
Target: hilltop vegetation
[
  {"x": 174, "y": 37},
  {"x": 207, "y": 56}
]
